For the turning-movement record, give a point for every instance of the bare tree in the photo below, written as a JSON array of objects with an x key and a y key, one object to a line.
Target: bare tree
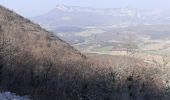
[{"x": 2, "y": 43}]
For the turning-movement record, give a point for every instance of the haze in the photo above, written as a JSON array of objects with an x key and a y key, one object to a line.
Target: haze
[{"x": 31, "y": 8}]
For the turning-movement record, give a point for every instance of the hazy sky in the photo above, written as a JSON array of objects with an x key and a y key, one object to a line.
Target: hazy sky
[{"x": 29, "y": 8}]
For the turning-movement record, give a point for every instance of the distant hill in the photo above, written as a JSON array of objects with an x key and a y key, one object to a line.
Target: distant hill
[{"x": 63, "y": 15}]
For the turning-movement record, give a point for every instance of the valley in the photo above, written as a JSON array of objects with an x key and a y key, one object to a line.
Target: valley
[
  {"x": 108, "y": 31},
  {"x": 148, "y": 41}
]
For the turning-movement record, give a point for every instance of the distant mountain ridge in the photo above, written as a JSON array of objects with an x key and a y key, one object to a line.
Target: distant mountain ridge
[
  {"x": 110, "y": 11},
  {"x": 63, "y": 15}
]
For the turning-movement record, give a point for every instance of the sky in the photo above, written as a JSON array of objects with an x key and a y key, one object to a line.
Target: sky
[{"x": 31, "y": 8}]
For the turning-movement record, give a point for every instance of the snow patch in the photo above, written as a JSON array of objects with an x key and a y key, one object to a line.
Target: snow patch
[{"x": 12, "y": 96}]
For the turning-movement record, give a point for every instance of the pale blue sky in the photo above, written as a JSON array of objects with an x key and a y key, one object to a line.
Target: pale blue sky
[{"x": 29, "y": 8}]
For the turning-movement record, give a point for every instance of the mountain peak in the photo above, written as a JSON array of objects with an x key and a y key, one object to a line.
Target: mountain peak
[{"x": 61, "y": 7}]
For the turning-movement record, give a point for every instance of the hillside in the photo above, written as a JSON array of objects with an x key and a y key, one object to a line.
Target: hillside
[
  {"x": 27, "y": 35},
  {"x": 28, "y": 52},
  {"x": 36, "y": 63}
]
